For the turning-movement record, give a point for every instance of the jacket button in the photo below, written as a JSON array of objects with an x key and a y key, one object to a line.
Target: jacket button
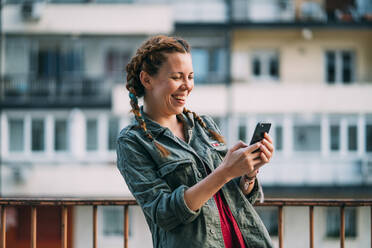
[
  {"x": 199, "y": 174},
  {"x": 212, "y": 231}
]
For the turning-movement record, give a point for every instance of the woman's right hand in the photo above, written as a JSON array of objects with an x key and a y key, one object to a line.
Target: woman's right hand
[{"x": 241, "y": 160}]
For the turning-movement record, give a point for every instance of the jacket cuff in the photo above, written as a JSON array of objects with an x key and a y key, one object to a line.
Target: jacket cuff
[
  {"x": 255, "y": 193},
  {"x": 185, "y": 214}
]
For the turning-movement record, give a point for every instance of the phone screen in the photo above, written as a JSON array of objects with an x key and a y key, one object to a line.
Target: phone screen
[{"x": 259, "y": 132}]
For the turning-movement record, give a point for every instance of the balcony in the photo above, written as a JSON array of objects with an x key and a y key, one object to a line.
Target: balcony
[
  {"x": 36, "y": 206},
  {"x": 25, "y": 91},
  {"x": 298, "y": 13}
]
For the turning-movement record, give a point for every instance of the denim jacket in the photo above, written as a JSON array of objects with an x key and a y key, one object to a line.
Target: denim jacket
[{"x": 158, "y": 184}]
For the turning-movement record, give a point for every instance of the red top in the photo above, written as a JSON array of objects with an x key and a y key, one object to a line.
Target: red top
[
  {"x": 231, "y": 233},
  {"x": 232, "y": 236}
]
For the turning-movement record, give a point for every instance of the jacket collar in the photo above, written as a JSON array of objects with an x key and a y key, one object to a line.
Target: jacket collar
[{"x": 156, "y": 129}]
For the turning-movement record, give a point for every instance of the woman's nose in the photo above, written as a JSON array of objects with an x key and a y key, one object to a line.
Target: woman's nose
[{"x": 188, "y": 84}]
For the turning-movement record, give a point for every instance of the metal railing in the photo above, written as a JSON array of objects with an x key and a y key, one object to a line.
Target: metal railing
[
  {"x": 24, "y": 88},
  {"x": 65, "y": 202}
]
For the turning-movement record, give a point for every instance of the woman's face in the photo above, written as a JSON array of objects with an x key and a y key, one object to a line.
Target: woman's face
[{"x": 167, "y": 91}]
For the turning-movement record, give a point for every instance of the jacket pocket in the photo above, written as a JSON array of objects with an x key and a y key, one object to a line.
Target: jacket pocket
[{"x": 178, "y": 172}]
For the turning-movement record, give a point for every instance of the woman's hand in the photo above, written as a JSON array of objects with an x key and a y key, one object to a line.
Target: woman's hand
[
  {"x": 267, "y": 150},
  {"x": 241, "y": 158}
]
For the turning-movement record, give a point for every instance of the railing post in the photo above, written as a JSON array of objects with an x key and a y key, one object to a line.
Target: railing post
[
  {"x": 3, "y": 226},
  {"x": 342, "y": 227},
  {"x": 311, "y": 227},
  {"x": 33, "y": 226},
  {"x": 126, "y": 226},
  {"x": 280, "y": 224},
  {"x": 95, "y": 226},
  {"x": 64, "y": 227}
]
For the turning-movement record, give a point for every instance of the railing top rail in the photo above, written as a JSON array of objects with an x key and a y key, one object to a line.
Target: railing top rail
[{"x": 63, "y": 201}]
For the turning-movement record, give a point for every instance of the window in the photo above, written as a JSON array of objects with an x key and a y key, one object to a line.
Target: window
[
  {"x": 335, "y": 137},
  {"x": 279, "y": 138},
  {"x": 113, "y": 221},
  {"x": 265, "y": 65},
  {"x": 209, "y": 65},
  {"x": 369, "y": 138},
  {"x": 339, "y": 67},
  {"x": 60, "y": 135},
  {"x": 306, "y": 138},
  {"x": 16, "y": 135},
  {"x": 352, "y": 137},
  {"x": 242, "y": 132},
  {"x": 113, "y": 133},
  {"x": 92, "y": 135},
  {"x": 115, "y": 64},
  {"x": 269, "y": 217},
  {"x": 37, "y": 135},
  {"x": 334, "y": 220}
]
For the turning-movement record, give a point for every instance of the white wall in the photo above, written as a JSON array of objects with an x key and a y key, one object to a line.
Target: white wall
[{"x": 91, "y": 18}]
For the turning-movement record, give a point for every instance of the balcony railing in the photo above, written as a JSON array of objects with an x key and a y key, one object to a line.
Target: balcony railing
[
  {"x": 71, "y": 90},
  {"x": 35, "y": 203}
]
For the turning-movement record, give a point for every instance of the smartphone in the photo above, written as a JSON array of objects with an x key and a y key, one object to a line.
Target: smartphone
[{"x": 259, "y": 132}]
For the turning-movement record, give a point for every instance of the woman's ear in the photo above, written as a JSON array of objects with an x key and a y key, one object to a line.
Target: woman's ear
[{"x": 146, "y": 80}]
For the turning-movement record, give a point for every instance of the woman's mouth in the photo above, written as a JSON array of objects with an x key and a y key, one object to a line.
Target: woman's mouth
[{"x": 180, "y": 98}]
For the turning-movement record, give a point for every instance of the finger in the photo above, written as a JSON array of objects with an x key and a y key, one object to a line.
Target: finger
[
  {"x": 268, "y": 145},
  {"x": 268, "y": 137},
  {"x": 266, "y": 152},
  {"x": 264, "y": 157},
  {"x": 237, "y": 146},
  {"x": 253, "y": 147}
]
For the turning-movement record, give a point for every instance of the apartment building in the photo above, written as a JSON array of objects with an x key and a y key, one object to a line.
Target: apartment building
[{"x": 302, "y": 65}]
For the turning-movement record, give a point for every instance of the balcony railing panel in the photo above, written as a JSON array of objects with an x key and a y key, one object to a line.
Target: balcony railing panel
[
  {"x": 64, "y": 202},
  {"x": 20, "y": 89}
]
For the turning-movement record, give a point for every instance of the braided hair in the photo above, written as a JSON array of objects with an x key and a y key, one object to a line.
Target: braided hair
[{"x": 150, "y": 56}]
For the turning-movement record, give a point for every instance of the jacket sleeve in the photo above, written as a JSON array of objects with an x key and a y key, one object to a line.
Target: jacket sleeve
[
  {"x": 164, "y": 207},
  {"x": 254, "y": 194}
]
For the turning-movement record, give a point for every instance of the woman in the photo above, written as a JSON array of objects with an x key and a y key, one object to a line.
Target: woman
[{"x": 192, "y": 190}]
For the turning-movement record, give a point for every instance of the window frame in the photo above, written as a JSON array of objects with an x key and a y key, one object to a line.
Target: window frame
[
  {"x": 339, "y": 66},
  {"x": 264, "y": 56}
]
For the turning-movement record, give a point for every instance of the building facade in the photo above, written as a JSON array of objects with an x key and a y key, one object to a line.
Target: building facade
[{"x": 302, "y": 65}]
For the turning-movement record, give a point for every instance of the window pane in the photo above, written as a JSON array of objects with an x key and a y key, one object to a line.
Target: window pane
[
  {"x": 307, "y": 138},
  {"x": 331, "y": 67},
  {"x": 333, "y": 222},
  {"x": 369, "y": 138},
  {"x": 256, "y": 67},
  {"x": 274, "y": 67},
  {"x": 200, "y": 64},
  {"x": 16, "y": 135},
  {"x": 352, "y": 138},
  {"x": 278, "y": 138},
  {"x": 242, "y": 133},
  {"x": 335, "y": 137},
  {"x": 37, "y": 135},
  {"x": 346, "y": 67},
  {"x": 60, "y": 135},
  {"x": 92, "y": 135},
  {"x": 113, "y": 220},
  {"x": 113, "y": 133}
]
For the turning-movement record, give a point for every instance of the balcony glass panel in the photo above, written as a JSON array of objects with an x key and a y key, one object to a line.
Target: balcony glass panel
[
  {"x": 37, "y": 135},
  {"x": 16, "y": 135}
]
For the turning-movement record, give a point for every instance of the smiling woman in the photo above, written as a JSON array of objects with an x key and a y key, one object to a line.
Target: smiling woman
[{"x": 194, "y": 192}]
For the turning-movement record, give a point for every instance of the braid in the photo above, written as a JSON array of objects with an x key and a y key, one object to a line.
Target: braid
[
  {"x": 215, "y": 135},
  {"x": 149, "y": 58},
  {"x": 141, "y": 123}
]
